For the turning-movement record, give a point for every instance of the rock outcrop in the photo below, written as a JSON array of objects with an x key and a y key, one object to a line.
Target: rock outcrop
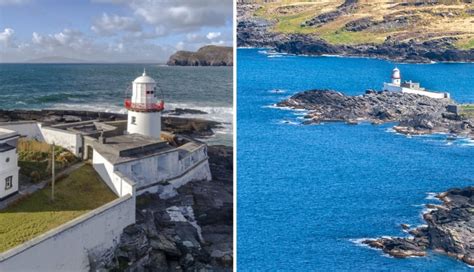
[
  {"x": 191, "y": 231},
  {"x": 193, "y": 127},
  {"x": 415, "y": 114},
  {"x": 210, "y": 55},
  {"x": 450, "y": 229}
]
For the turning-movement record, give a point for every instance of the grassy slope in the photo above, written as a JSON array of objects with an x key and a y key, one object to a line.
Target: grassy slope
[
  {"x": 34, "y": 156},
  {"x": 75, "y": 195},
  {"x": 468, "y": 111},
  {"x": 290, "y": 14}
]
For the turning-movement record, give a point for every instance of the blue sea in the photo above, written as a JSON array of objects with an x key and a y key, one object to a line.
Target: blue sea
[
  {"x": 307, "y": 195},
  {"x": 103, "y": 87}
]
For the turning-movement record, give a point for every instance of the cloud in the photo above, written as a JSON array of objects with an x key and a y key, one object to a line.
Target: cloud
[
  {"x": 170, "y": 17},
  {"x": 13, "y": 2},
  {"x": 112, "y": 24},
  {"x": 213, "y": 35},
  {"x": 67, "y": 39},
  {"x": 6, "y": 37}
]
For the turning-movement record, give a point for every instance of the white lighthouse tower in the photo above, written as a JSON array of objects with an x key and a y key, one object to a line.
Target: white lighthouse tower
[
  {"x": 396, "y": 79},
  {"x": 144, "y": 109}
]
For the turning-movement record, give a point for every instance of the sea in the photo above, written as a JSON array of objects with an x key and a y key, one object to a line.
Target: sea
[
  {"x": 308, "y": 194},
  {"x": 103, "y": 87}
]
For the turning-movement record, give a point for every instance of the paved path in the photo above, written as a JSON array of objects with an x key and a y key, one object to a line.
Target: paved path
[{"x": 37, "y": 186}]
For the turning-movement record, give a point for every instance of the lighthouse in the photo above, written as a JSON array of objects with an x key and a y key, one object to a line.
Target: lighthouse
[
  {"x": 396, "y": 80},
  {"x": 144, "y": 109}
]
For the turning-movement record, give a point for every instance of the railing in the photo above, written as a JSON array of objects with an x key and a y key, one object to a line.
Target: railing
[{"x": 144, "y": 106}]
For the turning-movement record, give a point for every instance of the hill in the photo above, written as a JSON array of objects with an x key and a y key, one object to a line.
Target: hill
[
  {"x": 419, "y": 31},
  {"x": 209, "y": 55},
  {"x": 55, "y": 59}
]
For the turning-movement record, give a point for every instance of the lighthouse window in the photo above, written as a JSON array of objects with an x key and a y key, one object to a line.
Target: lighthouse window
[
  {"x": 134, "y": 120},
  {"x": 8, "y": 182}
]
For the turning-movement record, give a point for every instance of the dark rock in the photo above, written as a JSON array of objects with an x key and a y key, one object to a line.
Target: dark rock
[
  {"x": 450, "y": 230},
  {"x": 199, "y": 240},
  {"x": 415, "y": 114},
  {"x": 193, "y": 127},
  {"x": 321, "y": 19}
]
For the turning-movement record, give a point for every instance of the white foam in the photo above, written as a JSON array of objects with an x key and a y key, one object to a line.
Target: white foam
[
  {"x": 277, "y": 91},
  {"x": 431, "y": 196}
]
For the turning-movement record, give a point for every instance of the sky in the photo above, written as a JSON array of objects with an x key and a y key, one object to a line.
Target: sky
[{"x": 111, "y": 30}]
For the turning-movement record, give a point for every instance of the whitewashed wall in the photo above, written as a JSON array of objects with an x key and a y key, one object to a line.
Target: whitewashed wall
[
  {"x": 199, "y": 172},
  {"x": 32, "y": 130},
  {"x": 70, "y": 140},
  {"x": 152, "y": 170},
  {"x": 117, "y": 182},
  {"x": 7, "y": 169},
  {"x": 68, "y": 247},
  {"x": 29, "y": 129},
  {"x": 392, "y": 88}
]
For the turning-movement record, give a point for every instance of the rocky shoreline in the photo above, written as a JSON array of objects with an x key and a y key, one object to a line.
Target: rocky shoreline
[
  {"x": 258, "y": 32},
  {"x": 414, "y": 114},
  {"x": 449, "y": 230},
  {"x": 193, "y": 127},
  {"x": 192, "y": 231}
]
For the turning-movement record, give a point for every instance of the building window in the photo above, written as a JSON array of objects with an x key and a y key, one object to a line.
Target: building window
[
  {"x": 7, "y": 160},
  {"x": 134, "y": 120},
  {"x": 8, "y": 182}
]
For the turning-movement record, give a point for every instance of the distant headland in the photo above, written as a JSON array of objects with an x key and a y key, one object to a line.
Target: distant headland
[
  {"x": 405, "y": 31},
  {"x": 210, "y": 55}
]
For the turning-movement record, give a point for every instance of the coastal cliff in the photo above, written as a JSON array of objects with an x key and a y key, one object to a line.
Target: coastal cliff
[
  {"x": 415, "y": 114},
  {"x": 399, "y": 30},
  {"x": 210, "y": 55},
  {"x": 198, "y": 237},
  {"x": 449, "y": 230}
]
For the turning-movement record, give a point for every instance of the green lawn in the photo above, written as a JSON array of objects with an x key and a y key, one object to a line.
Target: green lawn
[
  {"x": 76, "y": 194},
  {"x": 468, "y": 111}
]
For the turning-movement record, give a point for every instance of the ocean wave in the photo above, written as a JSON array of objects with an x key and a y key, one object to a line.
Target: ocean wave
[
  {"x": 62, "y": 97},
  {"x": 431, "y": 196},
  {"x": 277, "y": 91}
]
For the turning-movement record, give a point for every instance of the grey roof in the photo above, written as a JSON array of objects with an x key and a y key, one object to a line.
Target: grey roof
[
  {"x": 131, "y": 147},
  {"x": 6, "y": 147},
  {"x": 7, "y": 134}
]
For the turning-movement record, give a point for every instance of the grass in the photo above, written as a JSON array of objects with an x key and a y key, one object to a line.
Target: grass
[
  {"x": 290, "y": 14},
  {"x": 34, "y": 159},
  {"x": 468, "y": 110},
  {"x": 352, "y": 38},
  {"x": 76, "y": 194},
  {"x": 465, "y": 44}
]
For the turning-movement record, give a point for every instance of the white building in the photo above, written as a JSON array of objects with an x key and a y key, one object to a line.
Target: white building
[
  {"x": 132, "y": 157},
  {"x": 410, "y": 87},
  {"x": 144, "y": 110},
  {"x": 8, "y": 163},
  {"x": 142, "y": 154}
]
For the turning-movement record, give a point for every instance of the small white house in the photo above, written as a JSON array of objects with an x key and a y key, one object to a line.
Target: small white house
[
  {"x": 396, "y": 85},
  {"x": 8, "y": 163}
]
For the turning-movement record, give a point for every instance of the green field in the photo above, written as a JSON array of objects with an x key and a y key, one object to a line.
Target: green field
[
  {"x": 468, "y": 111},
  {"x": 76, "y": 194}
]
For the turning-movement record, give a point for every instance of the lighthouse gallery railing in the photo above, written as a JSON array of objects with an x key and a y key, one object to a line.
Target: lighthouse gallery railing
[{"x": 144, "y": 106}]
